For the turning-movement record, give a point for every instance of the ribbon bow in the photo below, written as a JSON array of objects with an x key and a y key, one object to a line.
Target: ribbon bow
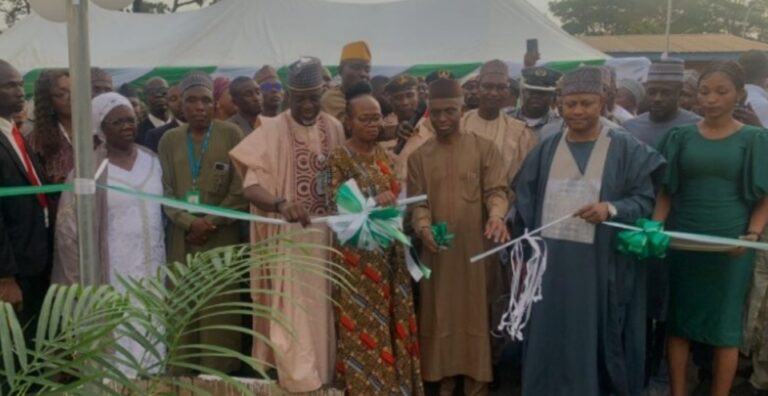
[
  {"x": 363, "y": 225},
  {"x": 649, "y": 242},
  {"x": 442, "y": 237}
]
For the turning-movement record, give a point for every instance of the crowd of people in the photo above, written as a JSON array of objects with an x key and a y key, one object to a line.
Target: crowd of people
[{"x": 495, "y": 155}]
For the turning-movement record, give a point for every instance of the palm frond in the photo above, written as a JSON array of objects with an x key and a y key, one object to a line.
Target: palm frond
[{"x": 81, "y": 330}]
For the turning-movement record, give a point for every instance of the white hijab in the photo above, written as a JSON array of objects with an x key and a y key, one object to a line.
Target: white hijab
[{"x": 102, "y": 105}]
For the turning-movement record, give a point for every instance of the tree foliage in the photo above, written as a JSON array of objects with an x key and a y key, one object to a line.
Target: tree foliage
[
  {"x": 13, "y": 10},
  {"x": 746, "y": 18}
]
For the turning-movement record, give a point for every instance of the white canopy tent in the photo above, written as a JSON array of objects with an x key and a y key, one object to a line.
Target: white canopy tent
[{"x": 238, "y": 36}]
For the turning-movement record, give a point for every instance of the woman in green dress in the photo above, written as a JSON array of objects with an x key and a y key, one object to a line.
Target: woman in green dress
[
  {"x": 378, "y": 352},
  {"x": 715, "y": 184}
]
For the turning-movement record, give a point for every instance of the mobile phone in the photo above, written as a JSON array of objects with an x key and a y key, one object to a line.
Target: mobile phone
[{"x": 532, "y": 45}]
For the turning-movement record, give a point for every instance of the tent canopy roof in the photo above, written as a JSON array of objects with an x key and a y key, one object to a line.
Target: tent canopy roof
[{"x": 245, "y": 33}]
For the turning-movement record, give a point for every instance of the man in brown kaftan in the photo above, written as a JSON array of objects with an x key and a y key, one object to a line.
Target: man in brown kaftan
[{"x": 466, "y": 180}]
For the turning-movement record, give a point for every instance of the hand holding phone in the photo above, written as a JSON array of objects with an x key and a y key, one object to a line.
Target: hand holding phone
[{"x": 532, "y": 53}]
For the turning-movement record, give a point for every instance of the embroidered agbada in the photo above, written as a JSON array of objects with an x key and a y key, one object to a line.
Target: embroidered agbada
[
  {"x": 589, "y": 288},
  {"x": 569, "y": 189},
  {"x": 288, "y": 160},
  {"x": 466, "y": 184},
  {"x": 378, "y": 349},
  {"x": 512, "y": 137}
]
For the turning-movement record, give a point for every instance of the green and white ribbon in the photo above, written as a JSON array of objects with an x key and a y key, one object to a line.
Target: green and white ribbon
[
  {"x": 363, "y": 225},
  {"x": 360, "y": 223},
  {"x": 415, "y": 267},
  {"x": 33, "y": 190},
  {"x": 699, "y": 238},
  {"x": 649, "y": 242}
]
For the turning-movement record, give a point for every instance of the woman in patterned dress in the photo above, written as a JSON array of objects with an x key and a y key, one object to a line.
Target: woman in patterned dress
[{"x": 378, "y": 352}]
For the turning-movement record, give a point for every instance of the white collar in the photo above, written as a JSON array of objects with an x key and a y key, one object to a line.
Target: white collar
[
  {"x": 157, "y": 122},
  {"x": 6, "y": 126}
]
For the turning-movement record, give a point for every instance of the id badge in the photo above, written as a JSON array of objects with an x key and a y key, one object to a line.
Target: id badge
[{"x": 193, "y": 197}]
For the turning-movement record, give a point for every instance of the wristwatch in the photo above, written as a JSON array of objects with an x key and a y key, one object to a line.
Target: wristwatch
[
  {"x": 277, "y": 204},
  {"x": 759, "y": 235},
  {"x": 612, "y": 211}
]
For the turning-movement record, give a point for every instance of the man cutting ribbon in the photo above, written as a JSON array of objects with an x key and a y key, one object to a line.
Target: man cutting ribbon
[
  {"x": 598, "y": 173},
  {"x": 282, "y": 164}
]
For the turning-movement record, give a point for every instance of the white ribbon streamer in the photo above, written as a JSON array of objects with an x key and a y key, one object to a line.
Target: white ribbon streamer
[
  {"x": 501, "y": 247},
  {"x": 524, "y": 291},
  {"x": 412, "y": 265}
]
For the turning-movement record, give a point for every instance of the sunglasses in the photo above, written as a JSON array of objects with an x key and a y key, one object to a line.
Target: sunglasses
[{"x": 271, "y": 87}]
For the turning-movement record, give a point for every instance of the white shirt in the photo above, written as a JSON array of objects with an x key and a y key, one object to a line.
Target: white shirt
[
  {"x": 158, "y": 122},
  {"x": 758, "y": 99},
  {"x": 533, "y": 122},
  {"x": 7, "y": 128}
]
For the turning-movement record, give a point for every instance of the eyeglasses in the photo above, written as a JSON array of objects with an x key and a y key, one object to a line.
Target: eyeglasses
[{"x": 271, "y": 87}]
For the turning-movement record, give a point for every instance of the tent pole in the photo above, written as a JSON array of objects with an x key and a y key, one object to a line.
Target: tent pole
[
  {"x": 665, "y": 55},
  {"x": 80, "y": 74}
]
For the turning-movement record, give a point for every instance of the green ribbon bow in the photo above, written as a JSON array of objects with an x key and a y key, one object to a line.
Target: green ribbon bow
[
  {"x": 442, "y": 237},
  {"x": 361, "y": 224},
  {"x": 649, "y": 242}
]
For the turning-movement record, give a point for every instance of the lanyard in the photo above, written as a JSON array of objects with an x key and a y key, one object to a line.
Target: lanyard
[{"x": 195, "y": 164}]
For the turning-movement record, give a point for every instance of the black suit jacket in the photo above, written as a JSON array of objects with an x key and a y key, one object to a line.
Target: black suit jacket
[
  {"x": 153, "y": 136},
  {"x": 141, "y": 131},
  {"x": 24, "y": 239}
]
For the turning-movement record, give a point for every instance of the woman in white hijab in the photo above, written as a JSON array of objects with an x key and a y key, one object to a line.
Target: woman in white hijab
[{"x": 130, "y": 230}]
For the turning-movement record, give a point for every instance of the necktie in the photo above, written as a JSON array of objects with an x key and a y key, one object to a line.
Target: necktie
[{"x": 31, "y": 175}]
